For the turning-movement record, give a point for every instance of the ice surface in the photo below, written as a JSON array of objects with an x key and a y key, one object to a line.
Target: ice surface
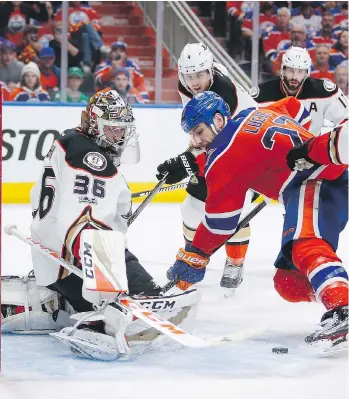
[{"x": 41, "y": 367}]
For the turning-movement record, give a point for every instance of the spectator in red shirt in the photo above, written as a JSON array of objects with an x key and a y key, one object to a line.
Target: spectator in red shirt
[
  {"x": 321, "y": 69},
  {"x": 49, "y": 72},
  {"x": 274, "y": 39},
  {"x": 341, "y": 77}
]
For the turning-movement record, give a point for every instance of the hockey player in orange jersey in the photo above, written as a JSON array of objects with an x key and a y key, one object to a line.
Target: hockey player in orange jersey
[{"x": 249, "y": 151}]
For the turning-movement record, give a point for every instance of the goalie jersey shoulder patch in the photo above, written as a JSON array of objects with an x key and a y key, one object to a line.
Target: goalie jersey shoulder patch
[{"x": 83, "y": 153}]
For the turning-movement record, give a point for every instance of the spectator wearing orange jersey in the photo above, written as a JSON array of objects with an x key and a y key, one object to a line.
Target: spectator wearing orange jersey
[
  {"x": 341, "y": 18},
  {"x": 341, "y": 77},
  {"x": 15, "y": 15},
  {"x": 276, "y": 37},
  {"x": 79, "y": 15},
  {"x": 321, "y": 69},
  {"x": 10, "y": 67},
  {"x": 30, "y": 48},
  {"x": 83, "y": 24},
  {"x": 123, "y": 86},
  {"x": 30, "y": 89},
  {"x": 298, "y": 38},
  {"x": 49, "y": 72},
  {"x": 5, "y": 92},
  {"x": 339, "y": 51},
  {"x": 328, "y": 33},
  {"x": 118, "y": 58}
]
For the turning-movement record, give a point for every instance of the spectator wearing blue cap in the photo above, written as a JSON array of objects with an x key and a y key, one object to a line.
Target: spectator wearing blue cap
[
  {"x": 50, "y": 73},
  {"x": 10, "y": 67},
  {"x": 123, "y": 86},
  {"x": 105, "y": 73}
]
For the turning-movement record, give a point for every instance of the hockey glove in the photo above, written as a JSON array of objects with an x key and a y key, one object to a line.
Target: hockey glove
[
  {"x": 178, "y": 168},
  {"x": 189, "y": 268},
  {"x": 297, "y": 158}
]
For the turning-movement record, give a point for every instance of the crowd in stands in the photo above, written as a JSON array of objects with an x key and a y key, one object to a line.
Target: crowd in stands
[
  {"x": 31, "y": 39},
  {"x": 30, "y": 55},
  {"x": 320, "y": 27}
]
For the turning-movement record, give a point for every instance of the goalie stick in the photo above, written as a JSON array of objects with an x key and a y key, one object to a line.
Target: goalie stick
[
  {"x": 152, "y": 194},
  {"x": 136, "y": 309}
]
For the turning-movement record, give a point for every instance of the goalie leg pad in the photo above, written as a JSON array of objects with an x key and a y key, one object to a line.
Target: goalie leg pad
[
  {"x": 102, "y": 254},
  {"x": 28, "y": 308}
]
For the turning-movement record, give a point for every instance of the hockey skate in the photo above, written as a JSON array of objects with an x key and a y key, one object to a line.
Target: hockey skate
[
  {"x": 333, "y": 329},
  {"x": 232, "y": 277}
]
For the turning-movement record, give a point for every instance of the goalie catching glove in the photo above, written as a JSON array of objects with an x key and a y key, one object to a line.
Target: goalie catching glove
[
  {"x": 178, "y": 168},
  {"x": 189, "y": 268}
]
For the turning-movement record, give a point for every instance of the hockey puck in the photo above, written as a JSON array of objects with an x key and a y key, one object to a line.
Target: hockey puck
[{"x": 280, "y": 350}]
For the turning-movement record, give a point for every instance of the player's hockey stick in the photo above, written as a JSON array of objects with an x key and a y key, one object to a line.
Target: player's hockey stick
[
  {"x": 152, "y": 194},
  {"x": 162, "y": 190},
  {"x": 135, "y": 308},
  {"x": 240, "y": 225}
]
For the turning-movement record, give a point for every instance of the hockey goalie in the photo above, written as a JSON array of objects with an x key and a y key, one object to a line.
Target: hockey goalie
[{"x": 80, "y": 207}]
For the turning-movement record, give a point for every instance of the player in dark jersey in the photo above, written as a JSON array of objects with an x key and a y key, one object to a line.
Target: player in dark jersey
[
  {"x": 197, "y": 73},
  {"x": 321, "y": 97}
]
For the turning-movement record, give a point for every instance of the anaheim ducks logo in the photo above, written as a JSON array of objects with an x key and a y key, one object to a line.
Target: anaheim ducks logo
[
  {"x": 328, "y": 85},
  {"x": 95, "y": 161}
]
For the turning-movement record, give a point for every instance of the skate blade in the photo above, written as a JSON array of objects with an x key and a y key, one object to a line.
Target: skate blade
[{"x": 229, "y": 292}]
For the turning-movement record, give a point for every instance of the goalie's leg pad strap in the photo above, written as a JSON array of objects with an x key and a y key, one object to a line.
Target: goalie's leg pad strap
[{"x": 319, "y": 262}]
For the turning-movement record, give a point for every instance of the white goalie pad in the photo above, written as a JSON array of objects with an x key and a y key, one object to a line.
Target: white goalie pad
[
  {"x": 102, "y": 254},
  {"x": 29, "y": 308},
  {"x": 124, "y": 335}
]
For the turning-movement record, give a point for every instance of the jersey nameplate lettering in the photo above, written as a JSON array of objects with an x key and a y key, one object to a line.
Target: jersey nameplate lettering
[{"x": 95, "y": 161}]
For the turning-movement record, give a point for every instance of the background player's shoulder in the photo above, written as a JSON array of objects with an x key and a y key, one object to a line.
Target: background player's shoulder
[
  {"x": 318, "y": 88},
  {"x": 83, "y": 153},
  {"x": 267, "y": 91}
]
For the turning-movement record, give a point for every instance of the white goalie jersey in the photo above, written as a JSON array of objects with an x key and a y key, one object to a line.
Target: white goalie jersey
[{"x": 79, "y": 188}]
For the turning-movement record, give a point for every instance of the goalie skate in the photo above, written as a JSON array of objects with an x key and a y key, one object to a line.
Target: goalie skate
[
  {"x": 232, "y": 277},
  {"x": 332, "y": 330}
]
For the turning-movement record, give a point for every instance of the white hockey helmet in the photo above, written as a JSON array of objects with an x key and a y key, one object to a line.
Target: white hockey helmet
[
  {"x": 194, "y": 58},
  {"x": 296, "y": 57}
]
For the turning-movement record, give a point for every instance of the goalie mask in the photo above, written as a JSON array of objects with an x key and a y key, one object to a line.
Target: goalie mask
[{"x": 109, "y": 121}]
